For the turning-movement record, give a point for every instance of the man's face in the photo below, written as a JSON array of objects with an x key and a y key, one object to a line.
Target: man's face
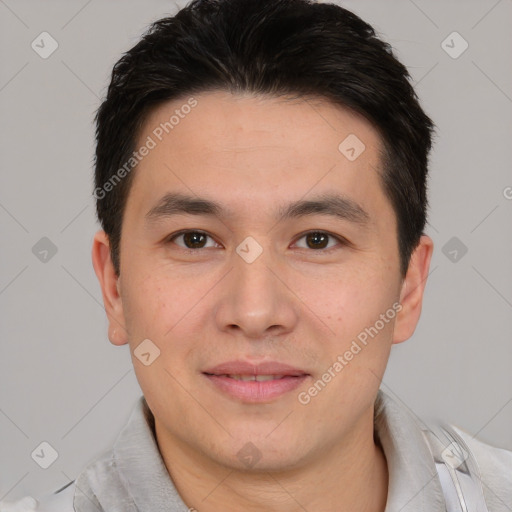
[{"x": 209, "y": 298}]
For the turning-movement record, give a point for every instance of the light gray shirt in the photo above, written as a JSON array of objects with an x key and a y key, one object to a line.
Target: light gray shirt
[{"x": 132, "y": 477}]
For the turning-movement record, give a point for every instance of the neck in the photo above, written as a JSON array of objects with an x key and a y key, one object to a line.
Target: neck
[{"x": 351, "y": 475}]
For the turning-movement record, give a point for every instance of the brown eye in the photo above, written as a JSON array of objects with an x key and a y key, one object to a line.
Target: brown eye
[
  {"x": 191, "y": 239},
  {"x": 194, "y": 240},
  {"x": 319, "y": 240}
]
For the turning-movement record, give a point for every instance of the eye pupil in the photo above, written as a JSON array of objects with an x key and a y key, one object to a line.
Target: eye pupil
[
  {"x": 317, "y": 237},
  {"x": 192, "y": 239}
]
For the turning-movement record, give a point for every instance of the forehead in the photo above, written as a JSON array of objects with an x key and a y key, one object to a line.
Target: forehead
[{"x": 236, "y": 147}]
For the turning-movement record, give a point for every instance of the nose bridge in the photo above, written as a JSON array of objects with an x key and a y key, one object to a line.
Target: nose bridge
[{"x": 256, "y": 300}]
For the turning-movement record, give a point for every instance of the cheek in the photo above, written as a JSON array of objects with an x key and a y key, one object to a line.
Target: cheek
[
  {"x": 156, "y": 304},
  {"x": 351, "y": 300},
  {"x": 159, "y": 310},
  {"x": 162, "y": 309}
]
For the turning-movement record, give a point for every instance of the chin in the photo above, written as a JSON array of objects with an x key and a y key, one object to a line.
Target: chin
[{"x": 259, "y": 454}]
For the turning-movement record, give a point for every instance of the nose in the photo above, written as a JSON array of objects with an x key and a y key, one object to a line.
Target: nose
[{"x": 256, "y": 299}]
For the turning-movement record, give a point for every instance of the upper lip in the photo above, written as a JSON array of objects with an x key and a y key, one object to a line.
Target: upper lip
[{"x": 246, "y": 368}]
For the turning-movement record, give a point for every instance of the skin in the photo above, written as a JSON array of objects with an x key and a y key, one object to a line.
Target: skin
[{"x": 296, "y": 303}]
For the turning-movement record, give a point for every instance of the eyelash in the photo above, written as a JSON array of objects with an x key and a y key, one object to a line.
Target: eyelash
[{"x": 342, "y": 241}]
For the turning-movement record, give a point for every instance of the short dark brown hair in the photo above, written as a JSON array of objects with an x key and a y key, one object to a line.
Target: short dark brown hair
[{"x": 271, "y": 47}]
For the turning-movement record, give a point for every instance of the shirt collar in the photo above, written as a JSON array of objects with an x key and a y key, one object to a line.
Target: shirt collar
[
  {"x": 141, "y": 468},
  {"x": 414, "y": 484}
]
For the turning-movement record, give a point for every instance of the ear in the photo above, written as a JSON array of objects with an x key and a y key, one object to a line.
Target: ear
[
  {"x": 413, "y": 286},
  {"x": 110, "y": 287}
]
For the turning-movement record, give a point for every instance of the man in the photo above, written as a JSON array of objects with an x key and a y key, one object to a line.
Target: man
[{"x": 261, "y": 184}]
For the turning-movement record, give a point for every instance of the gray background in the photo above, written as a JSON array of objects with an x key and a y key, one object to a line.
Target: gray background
[{"x": 62, "y": 382}]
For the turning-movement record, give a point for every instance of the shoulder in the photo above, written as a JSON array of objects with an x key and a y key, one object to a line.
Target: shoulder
[
  {"x": 58, "y": 501},
  {"x": 495, "y": 467},
  {"x": 498, "y": 460}
]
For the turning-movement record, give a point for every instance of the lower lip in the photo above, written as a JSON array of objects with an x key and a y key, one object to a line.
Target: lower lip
[{"x": 254, "y": 391}]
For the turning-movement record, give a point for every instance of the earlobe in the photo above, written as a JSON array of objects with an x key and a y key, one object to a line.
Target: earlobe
[
  {"x": 110, "y": 288},
  {"x": 413, "y": 287}
]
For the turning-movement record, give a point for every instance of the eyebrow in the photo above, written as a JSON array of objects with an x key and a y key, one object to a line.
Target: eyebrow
[{"x": 326, "y": 204}]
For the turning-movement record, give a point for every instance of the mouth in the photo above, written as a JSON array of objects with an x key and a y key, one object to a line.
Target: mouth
[
  {"x": 256, "y": 378},
  {"x": 251, "y": 383}
]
